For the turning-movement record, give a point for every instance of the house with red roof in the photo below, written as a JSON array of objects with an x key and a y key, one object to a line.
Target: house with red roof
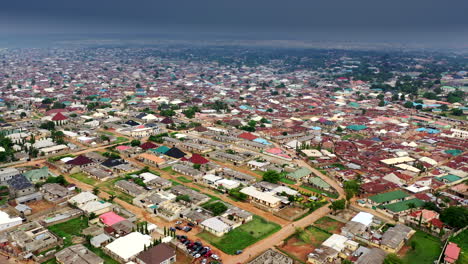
[
  {"x": 110, "y": 218},
  {"x": 198, "y": 159},
  {"x": 148, "y": 145},
  {"x": 452, "y": 252},
  {"x": 247, "y": 136},
  {"x": 59, "y": 119}
]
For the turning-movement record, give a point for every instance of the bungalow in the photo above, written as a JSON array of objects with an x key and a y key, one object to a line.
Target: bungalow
[
  {"x": 187, "y": 170},
  {"x": 160, "y": 254},
  {"x": 130, "y": 188},
  {"x": 319, "y": 183},
  {"x": 151, "y": 159},
  {"x": 387, "y": 198},
  {"x": 37, "y": 175},
  {"x": 299, "y": 174},
  {"x": 451, "y": 254},
  {"x": 395, "y": 237},
  {"x": 264, "y": 199},
  {"x": 125, "y": 249},
  {"x": 216, "y": 226},
  {"x": 54, "y": 192},
  {"x": 258, "y": 165}
]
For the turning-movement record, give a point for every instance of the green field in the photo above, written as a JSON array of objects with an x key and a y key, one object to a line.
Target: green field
[
  {"x": 243, "y": 236},
  {"x": 315, "y": 190},
  {"x": 101, "y": 254},
  {"x": 462, "y": 242},
  {"x": 312, "y": 235},
  {"x": 328, "y": 224},
  {"x": 287, "y": 181},
  {"x": 183, "y": 179},
  {"x": 82, "y": 177},
  {"x": 67, "y": 230},
  {"x": 120, "y": 140},
  {"x": 428, "y": 249}
]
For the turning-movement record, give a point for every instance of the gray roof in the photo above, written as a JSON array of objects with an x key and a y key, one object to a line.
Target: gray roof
[
  {"x": 395, "y": 235},
  {"x": 374, "y": 256},
  {"x": 19, "y": 182},
  {"x": 78, "y": 254}
]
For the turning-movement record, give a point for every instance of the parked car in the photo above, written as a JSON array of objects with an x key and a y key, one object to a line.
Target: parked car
[
  {"x": 208, "y": 254},
  {"x": 178, "y": 222},
  {"x": 191, "y": 224},
  {"x": 172, "y": 228},
  {"x": 238, "y": 252},
  {"x": 187, "y": 228},
  {"x": 215, "y": 257},
  {"x": 178, "y": 228},
  {"x": 204, "y": 261}
]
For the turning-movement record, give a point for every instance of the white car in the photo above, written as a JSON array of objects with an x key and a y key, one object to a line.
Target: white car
[{"x": 214, "y": 256}]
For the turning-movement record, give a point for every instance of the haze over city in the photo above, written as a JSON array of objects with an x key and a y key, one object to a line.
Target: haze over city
[{"x": 234, "y": 132}]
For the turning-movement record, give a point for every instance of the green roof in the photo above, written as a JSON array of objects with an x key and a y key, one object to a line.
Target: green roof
[
  {"x": 317, "y": 181},
  {"x": 161, "y": 149},
  {"x": 449, "y": 178},
  {"x": 402, "y": 206},
  {"x": 388, "y": 196},
  {"x": 356, "y": 127},
  {"x": 37, "y": 174},
  {"x": 300, "y": 173}
]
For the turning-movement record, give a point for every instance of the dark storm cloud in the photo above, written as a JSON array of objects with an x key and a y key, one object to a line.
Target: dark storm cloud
[{"x": 276, "y": 16}]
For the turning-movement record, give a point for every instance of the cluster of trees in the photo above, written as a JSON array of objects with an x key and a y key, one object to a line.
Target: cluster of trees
[
  {"x": 216, "y": 208},
  {"x": 158, "y": 138},
  {"x": 271, "y": 176},
  {"x": 191, "y": 111},
  {"x": 7, "y": 144},
  {"x": 237, "y": 194},
  {"x": 250, "y": 126}
]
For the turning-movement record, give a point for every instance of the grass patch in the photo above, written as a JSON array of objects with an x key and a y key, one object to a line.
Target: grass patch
[
  {"x": 120, "y": 140},
  {"x": 243, "y": 236},
  {"x": 315, "y": 190},
  {"x": 312, "y": 235},
  {"x": 56, "y": 158},
  {"x": 84, "y": 178},
  {"x": 328, "y": 224},
  {"x": 287, "y": 181},
  {"x": 428, "y": 249},
  {"x": 462, "y": 242},
  {"x": 51, "y": 261},
  {"x": 67, "y": 230},
  {"x": 183, "y": 179},
  {"x": 175, "y": 183}
]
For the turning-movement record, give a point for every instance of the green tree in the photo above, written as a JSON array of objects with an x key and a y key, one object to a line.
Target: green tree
[
  {"x": 183, "y": 197},
  {"x": 382, "y": 103},
  {"x": 271, "y": 176},
  {"x": 216, "y": 208},
  {"x": 135, "y": 143},
  {"x": 408, "y": 104},
  {"x": 457, "y": 112},
  {"x": 338, "y": 205},
  {"x": 455, "y": 216}
]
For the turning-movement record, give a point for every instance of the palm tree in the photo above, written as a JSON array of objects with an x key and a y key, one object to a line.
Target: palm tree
[
  {"x": 411, "y": 206},
  {"x": 96, "y": 190},
  {"x": 111, "y": 198}
]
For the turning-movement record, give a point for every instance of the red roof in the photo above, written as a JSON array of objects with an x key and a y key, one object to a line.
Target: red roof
[
  {"x": 80, "y": 160},
  {"x": 59, "y": 117},
  {"x": 247, "y": 135},
  {"x": 437, "y": 223},
  {"x": 198, "y": 159},
  {"x": 451, "y": 252},
  {"x": 110, "y": 218},
  {"x": 148, "y": 145}
]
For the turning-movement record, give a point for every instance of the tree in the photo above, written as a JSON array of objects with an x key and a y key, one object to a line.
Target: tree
[
  {"x": 338, "y": 205},
  {"x": 455, "y": 216},
  {"x": 392, "y": 259},
  {"x": 382, "y": 103},
  {"x": 135, "y": 143},
  {"x": 216, "y": 208},
  {"x": 49, "y": 125},
  {"x": 411, "y": 206},
  {"x": 96, "y": 190},
  {"x": 437, "y": 195},
  {"x": 408, "y": 104},
  {"x": 444, "y": 107},
  {"x": 457, "y": 112},
  {"x": 23, "y": 115},
  {"x": 271, "y": 176},
  {"x": 419, "y": 107}
]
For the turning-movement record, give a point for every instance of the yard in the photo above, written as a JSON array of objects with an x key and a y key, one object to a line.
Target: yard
[
  {"x": 120, "y": 140},
  {"x": 319, "y": 191},
  {"x": 243, "y": 236},
  {"x": 183, "y": 179},
  {"x": 287, "y": 181},
  {"x": 427, "y": 249},
  {"x": 462, "y": 242},
  {"x": 329, "y": 224},
  {"x": 109, "y": 187},
  {"x": 67, "y": 230},
  {"x": 301, "y": 243},
  {"x": 82, "y": 177}
]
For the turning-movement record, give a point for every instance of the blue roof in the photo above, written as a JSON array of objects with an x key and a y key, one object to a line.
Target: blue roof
[{"x": 263, "y": 141}]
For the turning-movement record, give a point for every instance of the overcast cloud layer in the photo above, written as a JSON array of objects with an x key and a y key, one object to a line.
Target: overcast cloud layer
[{"x": 306, "y": 19}]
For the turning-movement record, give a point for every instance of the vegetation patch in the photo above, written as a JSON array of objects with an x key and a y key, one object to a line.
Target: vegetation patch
[
  {"x": 462, "y": 241},
  {"x": 243, "y": 236},
  {"x": 424, "y": 249},
  {"x": 69, "y": 229},
  {"x": 82, "y": 177}
]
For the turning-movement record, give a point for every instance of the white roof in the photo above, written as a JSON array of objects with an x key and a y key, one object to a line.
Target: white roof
[
  {"x": 148, "y": 176},
  {"x": 264, "y": 196},
  {"x": 363, "y": 218},
  {"x": 215, "y": 224},
  {"x": 130, "y": 245},
  {"x": 54, "y": 148},
  {"x": 94, "y": 206},
  {"x": 5, "y": 219},
  {"x": 416, "y": 188},
  {"x": 212, "y": 177},
  {"x": 397, "y": 160},
  {"x": 428, "y": 160},
  {"x": 407, "y": 167},
  {"x": 285, "y": 189},
  {"x": 228, "y": 184},
  {"x": 83, "y": 197},
  {"x": 66, "y": 159},
  {"x": 337, "y": 242}
]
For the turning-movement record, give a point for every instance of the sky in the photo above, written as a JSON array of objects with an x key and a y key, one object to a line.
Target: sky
[{"x": 426, "y": 20}]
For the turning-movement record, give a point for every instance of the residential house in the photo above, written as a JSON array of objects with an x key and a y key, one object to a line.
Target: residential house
[
  {"x": 160, "y": 254},
  {"x": 126, "y": 248},
  {"x": 395, "y": 237},
  {"x": 451, "y": 253},
  {"x": 77, "y": 254},
  {"x": 54, "y": 192},
  {"x": 216, "y": 225},
  {"x": 32, "y": 236},
  {"x": 130, "y": 187},
  {"x": 151, "y": 159}
]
